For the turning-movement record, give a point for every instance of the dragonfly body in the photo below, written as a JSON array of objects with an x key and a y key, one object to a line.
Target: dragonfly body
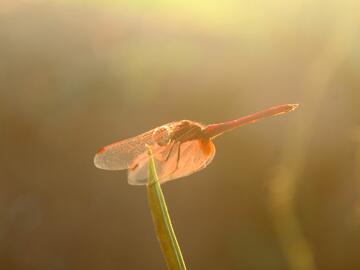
[
  {"x": 179, "y": 148},
  {"x": 181, "y": 131}
]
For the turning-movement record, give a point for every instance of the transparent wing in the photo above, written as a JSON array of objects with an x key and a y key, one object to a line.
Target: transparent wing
[
  {"x": 120, "y": 155},
  {"x": 194, "y": 156}
]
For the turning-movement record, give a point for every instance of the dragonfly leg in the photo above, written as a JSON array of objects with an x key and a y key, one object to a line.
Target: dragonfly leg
[
  {"x": 169, "y": 153},
  {"x": 178, "y": 157}
]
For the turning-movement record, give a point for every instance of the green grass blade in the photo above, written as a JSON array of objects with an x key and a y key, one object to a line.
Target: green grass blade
[{"x": 164, "y": 230}]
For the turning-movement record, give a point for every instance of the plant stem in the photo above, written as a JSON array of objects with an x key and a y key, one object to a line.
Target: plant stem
[{"x": 160, "y": 215}]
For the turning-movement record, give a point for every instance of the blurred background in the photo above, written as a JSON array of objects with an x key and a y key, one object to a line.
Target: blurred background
[{"x": 77, "y": 75}]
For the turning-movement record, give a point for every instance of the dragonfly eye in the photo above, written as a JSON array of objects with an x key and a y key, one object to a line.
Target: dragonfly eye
[{"x": 161, "y": 135}]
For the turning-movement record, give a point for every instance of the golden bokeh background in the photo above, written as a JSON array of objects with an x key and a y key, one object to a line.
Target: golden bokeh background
[{"x": 77, "y": 75}]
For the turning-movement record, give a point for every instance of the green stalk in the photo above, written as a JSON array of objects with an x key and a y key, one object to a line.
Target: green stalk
[{"x": 160, "y": 215}]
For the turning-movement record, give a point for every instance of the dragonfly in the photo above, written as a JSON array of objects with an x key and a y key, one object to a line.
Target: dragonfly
[{"x": 179, "y": 148}]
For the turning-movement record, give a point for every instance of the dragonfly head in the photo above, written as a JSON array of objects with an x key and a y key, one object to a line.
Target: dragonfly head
[{"x": 162, "y": 135}]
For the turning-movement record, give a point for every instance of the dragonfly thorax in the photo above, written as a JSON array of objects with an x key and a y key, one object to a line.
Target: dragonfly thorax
[{"x": 180, "y": 131}]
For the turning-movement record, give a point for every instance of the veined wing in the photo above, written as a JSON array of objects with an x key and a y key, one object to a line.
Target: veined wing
[
  {"x": 119, "y": 155},
  {"x": 195, "y": 155}
]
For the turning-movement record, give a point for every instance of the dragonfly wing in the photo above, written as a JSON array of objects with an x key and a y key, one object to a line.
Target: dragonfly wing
[
  {"x": 194, "y": 156},
  {"x": 120, "y": 155}
]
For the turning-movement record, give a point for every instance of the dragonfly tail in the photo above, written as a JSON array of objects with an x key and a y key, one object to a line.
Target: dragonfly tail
[{"x": 214, "y": 130}]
